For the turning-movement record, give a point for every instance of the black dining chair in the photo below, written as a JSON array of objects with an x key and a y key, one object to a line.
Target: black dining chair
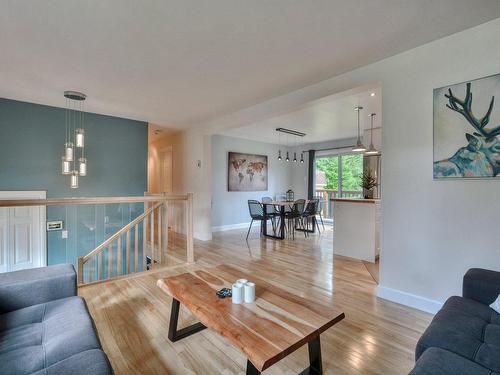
[
  {"x": 321, "y": 205},
  {"x": 256, "y": 211},
  {"x": 294, "y": 216},
  {"x": 271, "y": 211},
  {"x": 310, "y": 213}
]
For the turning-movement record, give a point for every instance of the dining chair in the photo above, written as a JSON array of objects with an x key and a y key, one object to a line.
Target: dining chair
[
  {"x": 271, "y": 211},
  {"x": 310, "y": 213},
  {"x": 321, "y": 205},
  {"x": 294, "y": 216},
  {"x": 256, "y": 211}
]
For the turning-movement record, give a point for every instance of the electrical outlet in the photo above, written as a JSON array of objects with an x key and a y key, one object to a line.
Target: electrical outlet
[{"x": 64, "y": 234}]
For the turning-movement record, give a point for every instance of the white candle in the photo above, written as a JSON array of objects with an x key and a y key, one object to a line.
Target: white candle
[
  {"x": 237, "y": 293},
  {"x": 249, "y": 292}
]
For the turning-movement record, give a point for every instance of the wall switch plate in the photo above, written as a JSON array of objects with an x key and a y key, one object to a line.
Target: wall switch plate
[
  {"x": 64, "y": 234},
  {"x": 198, "y": 163},
  {"x": 54, "y": 225}
]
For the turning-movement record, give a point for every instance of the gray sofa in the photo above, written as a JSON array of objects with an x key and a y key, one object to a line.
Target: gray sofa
[
  {"x": 45, "y": 328},
  {"x": 464, "y": 336}
]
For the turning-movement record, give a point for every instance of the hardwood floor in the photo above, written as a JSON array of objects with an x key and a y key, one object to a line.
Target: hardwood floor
[{"x": 376, "y": 337}]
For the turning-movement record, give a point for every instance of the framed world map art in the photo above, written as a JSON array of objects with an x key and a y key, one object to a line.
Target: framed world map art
[
  {"x": 246, "y": 172},
  {"x": 467, "y": 129}
]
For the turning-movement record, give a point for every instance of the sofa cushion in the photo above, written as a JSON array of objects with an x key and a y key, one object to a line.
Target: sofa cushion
[
  {"x": 90, "y": 362},
  {"x": 436, "y": 361},
  {"x": 40, "y": 336},
  {"x": 467, "y": 328}
]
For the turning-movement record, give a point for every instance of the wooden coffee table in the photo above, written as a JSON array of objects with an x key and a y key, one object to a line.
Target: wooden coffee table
[{"x": 275, "y": 325}]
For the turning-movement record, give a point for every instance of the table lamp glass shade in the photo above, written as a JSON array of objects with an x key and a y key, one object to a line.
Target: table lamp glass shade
[
  {"x": 82, "y": 166},
  {"x": 80, "y": 137},
  {"x": 65, "y": 166},
  {"x": 74, "y": 180},
  {"x": 68, "y": 151}
]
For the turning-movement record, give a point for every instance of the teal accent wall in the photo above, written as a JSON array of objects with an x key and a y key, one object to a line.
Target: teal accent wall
[{"x": 31, "y": 146}]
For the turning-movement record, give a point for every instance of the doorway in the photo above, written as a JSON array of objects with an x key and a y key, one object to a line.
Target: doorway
[
  {"x": 22, "y": 233},
  {"x": 166, "y": 170}
]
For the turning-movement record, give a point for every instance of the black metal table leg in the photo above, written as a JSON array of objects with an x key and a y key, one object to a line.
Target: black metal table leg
[
  {"x": 251, "y": 370},
  {"x": 281, "y": 234},
  {"x": 173, "y": 333},
  {"x": 315, "y": 363}
]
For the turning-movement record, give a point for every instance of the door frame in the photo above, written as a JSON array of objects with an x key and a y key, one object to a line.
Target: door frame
[{"x": 33, "y": 194}]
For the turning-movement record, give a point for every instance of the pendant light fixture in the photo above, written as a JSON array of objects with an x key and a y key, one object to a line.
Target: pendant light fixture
[
  {"x": 371, "y": 149},
  {"x": 279, "y": 146},
  {"x": 296, "y": 140},
  {"x": 66, "y": 166},
  {"x": 360, "y": 147},
  {"x": 74, "y": 144}
]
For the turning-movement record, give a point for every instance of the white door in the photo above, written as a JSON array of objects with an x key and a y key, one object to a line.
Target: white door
[{"x": 22, "y": 233}]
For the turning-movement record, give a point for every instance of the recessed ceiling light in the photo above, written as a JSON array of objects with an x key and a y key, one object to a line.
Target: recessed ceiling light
[{"x": 372, "y": 94}]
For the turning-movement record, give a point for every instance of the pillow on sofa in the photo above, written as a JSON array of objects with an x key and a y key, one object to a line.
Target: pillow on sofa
[{"x": 496, "y": 304}]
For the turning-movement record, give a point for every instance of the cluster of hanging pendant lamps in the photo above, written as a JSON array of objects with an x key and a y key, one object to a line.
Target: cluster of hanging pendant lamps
[
  {"x": 360, "y": 147},
  {"x": 297, "y": 136},
  {"x": 74, "y": 162}
]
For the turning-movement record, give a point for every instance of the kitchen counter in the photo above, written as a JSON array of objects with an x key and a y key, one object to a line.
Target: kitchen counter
[
  {"x": 356, "y": 224},
  {"x": 356, "y": 200}
]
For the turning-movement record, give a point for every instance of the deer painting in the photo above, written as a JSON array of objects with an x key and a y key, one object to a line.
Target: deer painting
[{"x": 481, "y": 156}]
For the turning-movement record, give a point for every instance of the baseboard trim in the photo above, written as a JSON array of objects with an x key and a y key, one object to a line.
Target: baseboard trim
[
  {"x": 408, "y": 299},
  {"x": 223, "y": 228}
]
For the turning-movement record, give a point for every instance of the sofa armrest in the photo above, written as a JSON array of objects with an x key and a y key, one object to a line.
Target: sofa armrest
[
  {"x": 29, "y": 287},
  {"x": 481, "y": 285}
]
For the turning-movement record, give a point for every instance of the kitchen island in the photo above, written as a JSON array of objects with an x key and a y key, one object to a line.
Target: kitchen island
[{"x": 356, "y": 224}]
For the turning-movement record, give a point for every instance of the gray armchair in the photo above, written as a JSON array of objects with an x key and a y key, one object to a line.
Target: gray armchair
[
  {"x": 45, "y": 328},
  {"x": 30, "y": 287},
  {"x": 464, "y": 336},
  {"x": 481, "y": 285}
]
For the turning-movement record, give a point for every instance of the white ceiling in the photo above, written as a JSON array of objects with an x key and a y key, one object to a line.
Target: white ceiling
[
  {"x": 329, "y": 118},
  {"x": 177, "y": 63}
]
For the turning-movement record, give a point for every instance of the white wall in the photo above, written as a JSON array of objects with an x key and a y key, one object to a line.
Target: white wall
[
  {"x": 230, "y": 207},
  {"x": 433, "y": 231},
  {"x": 196, "y": 146}
]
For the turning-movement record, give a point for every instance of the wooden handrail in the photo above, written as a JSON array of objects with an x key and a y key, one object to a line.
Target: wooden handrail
[
  {"x": 115, "y": 236},
  {"x": 95, "y": 200}
]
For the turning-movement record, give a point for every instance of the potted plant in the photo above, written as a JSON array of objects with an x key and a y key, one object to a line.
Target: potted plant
[{"x": 368, "y": 182}]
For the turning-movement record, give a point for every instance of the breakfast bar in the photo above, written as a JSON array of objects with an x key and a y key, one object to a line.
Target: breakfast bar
[{"x": 357, "y": 228}]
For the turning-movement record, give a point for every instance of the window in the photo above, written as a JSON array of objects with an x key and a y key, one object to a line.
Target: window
[{"x": 340, "y": 174}]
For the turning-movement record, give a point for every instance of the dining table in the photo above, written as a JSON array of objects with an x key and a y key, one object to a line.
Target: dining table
[
  {"x": 280, "y": 235},
  {"x": 281, "y": 205}
]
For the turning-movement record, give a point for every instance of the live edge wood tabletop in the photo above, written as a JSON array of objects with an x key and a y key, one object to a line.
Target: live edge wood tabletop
[{"x": 275, "y": 325}]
